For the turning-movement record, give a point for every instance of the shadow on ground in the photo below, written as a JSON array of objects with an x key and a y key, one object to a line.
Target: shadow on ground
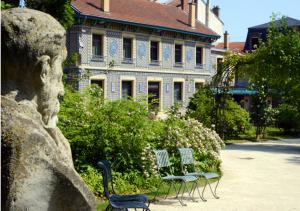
[
  {"x": 294, "y": 160},
  {"x": 175, "y": 202},
  {"x": 291, "y": 146}
]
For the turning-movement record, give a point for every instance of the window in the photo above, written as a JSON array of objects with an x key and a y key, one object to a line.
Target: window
[
  {"x": 127, "y": 49},
  {"x": 178, "y": 92},
  {"x": 154, "y": 51},
  {"x": 127, "y": 89},
  {"x": 99, "y": 83},
  {"x": 254, "y": 43},
  {"x": 198, "y": 85},
  {"x": 219, "y": 63},
  {"x": 97, "y": 47},
  {"x": 178, "y": 53},
  {"x": 153, "y": 95},
  {"x": 199, "y": 56}
]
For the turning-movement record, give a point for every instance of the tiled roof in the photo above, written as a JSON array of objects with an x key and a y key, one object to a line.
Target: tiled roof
[
  {"x": 236, "y": 47},
  {"x": 290, "y": 22},
  {"x": 177, "y": 3},
  {"x": 142, "y": 12}
]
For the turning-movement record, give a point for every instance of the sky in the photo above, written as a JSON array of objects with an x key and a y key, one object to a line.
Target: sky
[{"x": 239, "y": 15}]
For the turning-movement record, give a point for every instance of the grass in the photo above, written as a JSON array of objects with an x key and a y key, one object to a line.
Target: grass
[
  {"x": 163, "y": 189},
  {"x": 272, "y": 133}
]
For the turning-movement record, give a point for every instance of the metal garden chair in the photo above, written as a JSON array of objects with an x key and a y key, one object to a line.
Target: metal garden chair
[
  {"x": 186, "y": 155},
  {"x": 163, "y": 162},
  {"x": 120, "y": 202}
]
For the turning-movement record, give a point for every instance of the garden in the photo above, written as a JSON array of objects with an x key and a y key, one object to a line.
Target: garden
[{"x": 125, "y": 132}]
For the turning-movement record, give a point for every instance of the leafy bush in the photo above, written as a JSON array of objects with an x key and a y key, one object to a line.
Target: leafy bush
[
  {"x": 232, "y": 118},
  {"x": 93, "y": 178},
  {"x": 235, "y": 119},
  {"x": 288, "y": 118},
  {"x": 123, "y": 133},
  {"x": 78, "y": 122},
  {"x": 201, "y": 107},
  {"x": 115, "y": 131}
]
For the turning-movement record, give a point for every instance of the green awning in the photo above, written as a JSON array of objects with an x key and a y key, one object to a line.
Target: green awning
[
  {"x": 242, "y": 91},
  {"x": 236, "y": 91}
]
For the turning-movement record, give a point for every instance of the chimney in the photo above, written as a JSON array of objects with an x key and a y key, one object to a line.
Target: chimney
[
  {"x": 105, "y": 5},
  {"x": 182, "y": 4},
  {"x": 226, "y": 40},
  {"x": 216, "y": 11},
  {"x": 207, "y": 10},
  {"x": 192, "y": 14}
]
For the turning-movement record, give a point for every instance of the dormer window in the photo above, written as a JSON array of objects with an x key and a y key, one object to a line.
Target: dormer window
[{"x": 254, "y": 43}]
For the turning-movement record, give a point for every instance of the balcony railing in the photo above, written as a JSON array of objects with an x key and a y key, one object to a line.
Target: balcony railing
[
  {"x": 178, "y": 64},
  {"x": 155, "y": 63},
  {"x": 97, "y": 58},
  {"x": 127, "y": 61},
  {"x": 199, "y": 66}
]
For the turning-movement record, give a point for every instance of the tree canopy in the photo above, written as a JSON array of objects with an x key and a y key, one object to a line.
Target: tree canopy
[{"x": 274, "y": 67}]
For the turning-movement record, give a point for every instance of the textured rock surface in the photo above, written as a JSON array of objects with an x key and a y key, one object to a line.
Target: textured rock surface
[{"x": 36, "y": 162}]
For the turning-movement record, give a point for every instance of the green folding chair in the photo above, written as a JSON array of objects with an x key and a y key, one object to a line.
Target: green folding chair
[
  {"x": 163, "y": 164},
  {"x": 187, "y": 159}
]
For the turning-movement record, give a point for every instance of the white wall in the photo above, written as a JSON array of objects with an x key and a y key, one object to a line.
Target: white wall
[
  {"x": 214, "y": 23},
  {"x": 201, "y": 11}
]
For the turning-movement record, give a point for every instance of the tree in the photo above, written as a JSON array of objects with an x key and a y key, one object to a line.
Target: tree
[
  {"x": 5, "y": 5},
  {"x": 273, "y": 67},
  {"x": 59, "y": 9}
]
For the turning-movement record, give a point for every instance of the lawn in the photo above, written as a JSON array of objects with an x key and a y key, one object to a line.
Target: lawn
[{"x": 272, "y": 133}]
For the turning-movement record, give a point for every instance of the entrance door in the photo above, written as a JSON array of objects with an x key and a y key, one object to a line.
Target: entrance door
[{"x": 153, "y": 95}]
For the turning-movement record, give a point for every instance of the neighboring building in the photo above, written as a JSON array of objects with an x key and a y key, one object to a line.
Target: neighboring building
[
  {"x": 259, "y": 33},
  {"x": 234, "y": 47},
  {"x": 140, "y": 48}
]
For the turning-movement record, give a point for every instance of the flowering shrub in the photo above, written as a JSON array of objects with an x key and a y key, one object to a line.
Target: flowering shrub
[{"x": 181, "y": 132}]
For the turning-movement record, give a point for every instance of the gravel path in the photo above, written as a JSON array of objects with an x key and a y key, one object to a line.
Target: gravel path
[{"x": 257, "y": 177}]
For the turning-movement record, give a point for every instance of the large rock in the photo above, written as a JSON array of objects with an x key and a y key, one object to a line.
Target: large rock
[{"x": 37, "y": 169}]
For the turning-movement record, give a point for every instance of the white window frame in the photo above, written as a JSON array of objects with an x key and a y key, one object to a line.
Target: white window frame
[
  {"x": 133, "y": 45},
  {"x": 156, "y": 39},
  {"x": 161, "y": 93},
  {"x": 104, "y": 41},
  {"x": 103, "y": 78},
  {"x": 128, "y": 78},
  {"x": 200, "y": 80},
  {"x": 182, "y": 43},
  {"x": 181, "y": 80}
]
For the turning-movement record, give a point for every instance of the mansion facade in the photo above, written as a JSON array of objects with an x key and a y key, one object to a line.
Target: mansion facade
[{"x": 140, "y": 48}]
